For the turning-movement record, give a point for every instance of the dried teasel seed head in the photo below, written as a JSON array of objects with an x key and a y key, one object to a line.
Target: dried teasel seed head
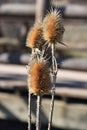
[
  {"x": 34, "y": 37},
  {"x": 53, "y": 28},
  {"x": 39, "y": 81}
]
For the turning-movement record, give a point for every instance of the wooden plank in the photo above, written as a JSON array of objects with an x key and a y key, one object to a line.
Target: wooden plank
[
  {"x": 70, "y": 92},
  {"x": 76, "y": 11},
  {"x": 14, "y": 12},
  {"x": 65, "y": 63},
  {"x": 70, "y": 116},
  {"x": 75, "y": 64},
  {"x": 15, "y": 76},
  {"x": 78, "y": 1},
  {"x": 25, "y": 12},
  {"x": 5, "y": 41},
  {"x": 13, "y": 69},
  {"x": 12, "y": 107},
  {"x": 75, "y": 43},
  {"x": 75, "y": 34},
  {"x": 80, "y": 93},
  {"x": 73, "y": 47},
  {"x": 13, "y": 85},
  {"x": 14, "y": 42},
  {"x": 19, "y": 9},
  {"x": 9, "y": 69}
]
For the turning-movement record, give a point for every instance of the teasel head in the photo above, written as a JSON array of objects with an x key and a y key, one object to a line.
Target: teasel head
[
  {"x": 39, "y": 80},
  {"x": 53, "y": 28},
  {"x": 34, "y": 37}
]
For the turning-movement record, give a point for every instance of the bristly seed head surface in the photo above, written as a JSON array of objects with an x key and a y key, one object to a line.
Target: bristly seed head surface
[
  {"x": 39, "y": 81},
  {"x": 34, "y": 37},
  {"x": 53, "y": 27}
]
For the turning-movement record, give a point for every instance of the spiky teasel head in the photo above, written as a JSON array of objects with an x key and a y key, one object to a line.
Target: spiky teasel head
[
  {"x": 34, "y": 37},
  {"x": 39, "y": 81},
  {"x": 53, "y": 28}
]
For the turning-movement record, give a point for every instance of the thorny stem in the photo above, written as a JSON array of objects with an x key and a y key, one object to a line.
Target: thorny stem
[
  {"x": 29, "y": 111},
  {"x": 38, "y": 123},
  {"x": 54, "y": 72}
]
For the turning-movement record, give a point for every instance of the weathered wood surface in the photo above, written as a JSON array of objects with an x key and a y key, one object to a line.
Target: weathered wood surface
[
  {"x": 64, "y": 2},
  {"x": 14, "y": 42},
  {"x": 76, "y": 11},
  {"x": 70, "y": 92},
  {"x": 26, "y": 11},
  {"x": 75, "y": 35},
  {"x": 73, "y": 47},
  {"x": 69, "y": 83},
  {"x": 73, "y": 116},
  {"x": 19, "y": 9},
  {"x": 75, "y": 64},
  {"x": 12, "y": 107},
  {"x": 14, "y": 12},
  {"x": 67, "y": 63},
  {"x": 62, "y": 74},
  {"x": 6, "y": 41},
  {"x": 78, "y": 1}
]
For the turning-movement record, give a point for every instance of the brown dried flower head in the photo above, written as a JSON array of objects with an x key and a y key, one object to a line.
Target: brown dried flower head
[
  {"x": 34, "y": 37},
  {"x": 53, "y": 27},
  {"x": 39, "y": 81}
]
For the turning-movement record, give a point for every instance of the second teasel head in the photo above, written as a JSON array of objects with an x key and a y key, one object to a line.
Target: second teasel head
[
  {"x": 53, "y": 28},
  {"x": 34, "y": 37}
]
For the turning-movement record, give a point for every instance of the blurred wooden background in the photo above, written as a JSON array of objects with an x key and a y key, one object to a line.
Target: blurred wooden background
[{"x": 16, "y": 17}]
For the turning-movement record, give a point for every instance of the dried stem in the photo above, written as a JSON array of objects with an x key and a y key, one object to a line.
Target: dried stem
[
  {"x": 38, "y": 123},
  {"x": 29, "y": 111},
  {"x": 54, "y": 72}
]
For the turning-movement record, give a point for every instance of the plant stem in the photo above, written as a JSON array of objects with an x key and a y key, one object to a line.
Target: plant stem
[
  {"x": 38, "y": 123},
  {"x": 54, "y": 72},
  {"x": 51, "y": 107},
  {"x": 29, "y": 111}
]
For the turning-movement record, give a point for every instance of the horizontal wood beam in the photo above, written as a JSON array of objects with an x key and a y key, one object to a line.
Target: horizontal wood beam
[
  {"x": 73, "y": 47},
  {"x": 75, "y": 10},
  {"x": 19, "y": 9},
  {"x": 19, "y": 58},
  {"x": 72, "y": 92},
  {"x": 66, "y": 116},
  {"x": 15, "y": 77},
  {"x": 14, "y": 42},
  {"x": 26, "y": 12},
  {"x": 6, "y": 41},
  {"x": 15, "y": 12},
  {"x": 65, "y": 92}
]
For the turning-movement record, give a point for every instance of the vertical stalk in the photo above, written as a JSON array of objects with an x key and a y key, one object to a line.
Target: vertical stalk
[
  {"x": 53, "y": 89},
  {"x": 38, "y": 123},
  {"x": 29, "y": 111}
]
